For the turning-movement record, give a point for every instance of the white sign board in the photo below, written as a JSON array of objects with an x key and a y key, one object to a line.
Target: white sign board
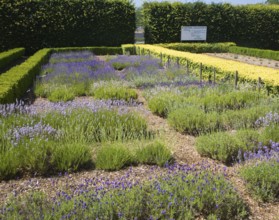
[{"x": 193, "y": 33}]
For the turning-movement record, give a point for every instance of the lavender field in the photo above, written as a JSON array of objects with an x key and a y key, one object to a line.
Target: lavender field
[{"x": 127, "y": 137}]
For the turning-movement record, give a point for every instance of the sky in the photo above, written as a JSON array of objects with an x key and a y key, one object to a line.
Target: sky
[{"x": 138, "y": 3}]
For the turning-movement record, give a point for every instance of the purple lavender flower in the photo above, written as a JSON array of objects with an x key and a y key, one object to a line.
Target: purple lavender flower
[
  {"x": 268, "y": 119},
  {"x": 30, "y": 131},
  {"x": 262, "y": 152},
  {"x": 75, "y": 67}
]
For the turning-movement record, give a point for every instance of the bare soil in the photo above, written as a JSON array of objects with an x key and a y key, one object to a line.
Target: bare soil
[
  {"x": 183, "y": 148},
  {"x": 247, "y": 59}
]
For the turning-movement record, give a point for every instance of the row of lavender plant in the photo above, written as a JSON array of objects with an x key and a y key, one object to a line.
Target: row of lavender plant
[
  {"x": 180, "y": 192},
  {"x": 56, "y": 137},
  {"x": 72, "y": 74}
]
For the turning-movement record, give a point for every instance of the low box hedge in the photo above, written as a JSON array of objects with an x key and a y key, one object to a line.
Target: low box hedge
[
  {"x": 16, "y": 81},
  {"x": 10, "y": 56},
  {"x": 224, "y": 69},
  {"x": 200, "y": 47},
  {"x": 95, "y": 50},
  {"x": 267, "y": 54}
]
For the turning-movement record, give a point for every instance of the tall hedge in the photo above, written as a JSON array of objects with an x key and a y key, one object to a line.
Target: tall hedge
[
  {"x": 36, "y": 24},
  {"x": 251, "y": 25}
]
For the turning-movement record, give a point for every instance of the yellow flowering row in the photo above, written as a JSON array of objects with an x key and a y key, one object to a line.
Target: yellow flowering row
[{"x": 247, "y": 72}]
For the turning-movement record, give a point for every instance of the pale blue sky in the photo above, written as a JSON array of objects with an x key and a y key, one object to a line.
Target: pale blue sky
[{"x": 233, "y": 2}]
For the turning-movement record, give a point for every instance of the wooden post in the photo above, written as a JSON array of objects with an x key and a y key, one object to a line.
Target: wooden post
[
  {"x": 187, "y": 67},
  {"x": 268, "y": 90},
  {"x": 259, "y": 84},
  {"x": 235, "y": 79},
  {"x": 143, "y": 51},
  {"x": 201, "y": 73},
  {"x": 149, "y": 54},
  {"x": 161, "y": 58},
  {"x": 214, "y": 76},
  {"x": 177, "y": 62}
]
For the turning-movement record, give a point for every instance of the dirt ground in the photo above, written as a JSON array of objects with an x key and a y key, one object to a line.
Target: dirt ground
[{"x": 247, "y": 59}]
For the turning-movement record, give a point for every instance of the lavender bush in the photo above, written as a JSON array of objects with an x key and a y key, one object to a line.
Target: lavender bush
[
  {"x": 115, "y": 90},
  {"x": 269, "y": 119},
  {"x": 139, "y": 63},
  {"x": 70, "y": 56},
  {"x": 261, "y": 152},
  {"x": 69, "y": 74},
  {"x": 183, "y": 192},
  {"x": 53, "y": 137},
  {"x": 262, "y": 177}
]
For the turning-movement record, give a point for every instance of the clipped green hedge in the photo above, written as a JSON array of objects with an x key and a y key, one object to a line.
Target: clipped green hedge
[
  {"x": 37, "y": 24},
  {"x": 16, "y": 81},
  {"x": 9, "y": 56},
  {"x": 200, "y": 47},
  {"x": 223, "y": 70},
  {"x": 267, "y": 54},
  {"x": 250, "y": 25},
  {"x": 129, "y": 49},
  {"x": 95, "y": 50}
]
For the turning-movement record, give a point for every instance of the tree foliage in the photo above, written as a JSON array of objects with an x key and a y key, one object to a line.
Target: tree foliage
[
  {"x": 272, "y": 2},
  {"x": 36, "y": 24},
  {"x": 250, "y": 25}
]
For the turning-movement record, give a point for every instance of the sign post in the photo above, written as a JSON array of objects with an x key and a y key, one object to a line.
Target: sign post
[{"x": 193, "y": 33}]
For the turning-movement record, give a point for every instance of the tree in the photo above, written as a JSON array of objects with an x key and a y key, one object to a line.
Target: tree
[
  {"x": 139, "y": 17},
  {"x": 272, "y": 2}
]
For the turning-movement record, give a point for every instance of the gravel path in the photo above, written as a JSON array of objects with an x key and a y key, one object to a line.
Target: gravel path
[{"x": 247, "y": 59}]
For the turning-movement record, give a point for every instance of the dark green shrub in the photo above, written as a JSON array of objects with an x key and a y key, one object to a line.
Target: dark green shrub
[
  {"x": 267, "y": 54},
  {"x": 262, "y": 179},
  {"x": 200, "y": 47},
  {"x": 155, "y": 154},
  {"x": 95, "y": 50},
  {"x": 9, "y": 56},
  {"x": 225, "y": 23},
  {"x": 225, "y": 146},
  {"x": 66, "y": 23},
  {"x": 113, "y": 157}
]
